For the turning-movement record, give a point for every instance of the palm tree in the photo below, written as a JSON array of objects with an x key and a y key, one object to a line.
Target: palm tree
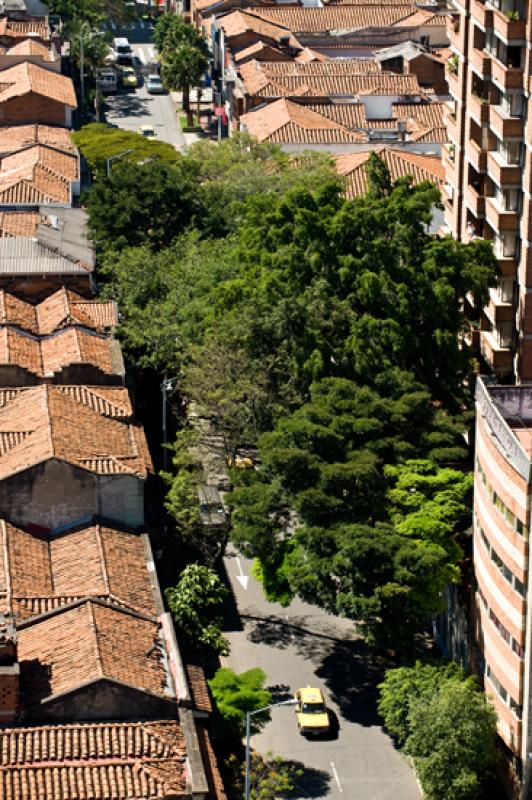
[{"x": 183, "y": 67}]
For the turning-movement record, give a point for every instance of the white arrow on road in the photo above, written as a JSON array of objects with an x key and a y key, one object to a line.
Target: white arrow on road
[{"x": 241, "y": 578}]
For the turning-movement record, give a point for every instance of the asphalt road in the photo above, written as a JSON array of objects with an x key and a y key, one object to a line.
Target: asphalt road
[
  {"x": 299, "y": 646},
  {"x": 133, "y": 108}
]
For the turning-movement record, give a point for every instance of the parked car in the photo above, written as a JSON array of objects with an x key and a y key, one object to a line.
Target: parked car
[
  {"x": 122, "y": 51},
  {"x": 148, "y": 131},
  {"x": 129, "y": 79},
  {"x": 311, "y": 712},
  {"x": 106, "y": 80},
  {"x": 154, "y": 84},
  {"x": 212, "y": 511}
]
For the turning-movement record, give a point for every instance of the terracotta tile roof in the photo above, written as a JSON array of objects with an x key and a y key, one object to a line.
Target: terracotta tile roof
[
  {"x": 301, "y": 19},
  {"x": 17, "y": 137},
  {"x": 351, "y": 115},
  {"x": 21, "y": 29},
  {"x": 400, "y": 163},
  {"x": 31, "y": 47},
  {"x": 39, "y": 174},
  {"x": 425, "y": 121},
  {"x": 198, "y": 688},
  {"x": 48, "y": 356},
  {"x": 60, "y": 310},
  {"x": 18, "y": 223},
  {"x": 424, "y": 18},
  {"x": 81, "y": 425},
  {"x": 94, "y": 761},
  {"x": 285, "y": 122},
  {"x": 214, "y": 779},
  {"x": 39, "y": 574},
  {"x": 26, "y": 77},
  {"x": 307, "y": 54},
  {"x": 337, "y": 77},
  {"x": 239, "y": 22},
  {"x": 86, "y": 642},
  {"x": 258, "y": 50}
]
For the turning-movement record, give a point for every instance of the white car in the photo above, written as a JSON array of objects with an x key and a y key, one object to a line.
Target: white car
[
  {"x": 148, "y": 131},
  {"x": 154, "y": 84}
]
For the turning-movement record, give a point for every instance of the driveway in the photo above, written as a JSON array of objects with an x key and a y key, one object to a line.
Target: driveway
[
  {"x": 302, "y": 645},
  {"x": 131, "y": 109}
]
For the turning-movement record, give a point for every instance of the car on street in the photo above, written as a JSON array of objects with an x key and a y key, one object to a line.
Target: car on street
[
  {"x": 106, "y": 81},
  {"x": 122, "y": 51},
  {"x": 212, "y": 512},
  {"x": 154, "y": 84},
  {"x": 128, "y": 77},
  {"x": 148, "y": 131},
  {"x": 311, "y": 712}
]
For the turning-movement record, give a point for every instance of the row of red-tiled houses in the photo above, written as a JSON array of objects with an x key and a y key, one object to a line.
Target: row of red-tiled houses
[{"x": 95, "y": 701}]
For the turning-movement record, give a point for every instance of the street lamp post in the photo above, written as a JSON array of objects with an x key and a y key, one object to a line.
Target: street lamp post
[
  {"x": 109, "y": 161},
  {"x": 166, "y": 386},
  {"x": 85, "y": 26},
  {"x": 249, "y": 714}
]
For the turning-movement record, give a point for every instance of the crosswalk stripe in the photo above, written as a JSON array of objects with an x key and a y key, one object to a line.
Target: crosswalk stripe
[
  {"x": 151, "y": 54},
  {"x": 142, "y": 56},
  {"x": 113, "y": 25}
]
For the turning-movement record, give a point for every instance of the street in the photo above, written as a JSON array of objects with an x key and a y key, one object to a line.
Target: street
[
  {"x": 133, "y": 108},
  {"x": 299, "y": 646}
]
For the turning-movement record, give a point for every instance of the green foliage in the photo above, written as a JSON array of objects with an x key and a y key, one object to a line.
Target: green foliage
[
  {"x": 142, "y": 204},
  {"x": 196, "y": 603},
  {"x": 235, "y": 694},
  {"x": 98, "y": 142},
  {"x": 182, "y": 499},
  {"x": 95, "y": 45},
  {"x": 184, "y": 55},
  {"x": 94, "y": 11},
  {"x": 445, "y": 723}
]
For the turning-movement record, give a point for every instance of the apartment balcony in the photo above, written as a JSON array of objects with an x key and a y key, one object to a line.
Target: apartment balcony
[
  {"x": 503, "y": 125},
  {"x": 475, "y": 201},
  {"x": 499, "y": 358},
  {"x": 482, "y": 14},
  {"x": 497, "y": 310},
  {"x": 454, "y": 30},
  {"x": 478, "y": 108},
  {"x": 502, "y": 173},
  {"x": 480, "y": 61},
  {"x": 450, "y": 163},
  {"x": 507, "y": 266},
  {"x": 451, "y": 123},
  {"x": 511, "y": 30},
  {"x": 499, "y": 218},
  {"x": 453, "y": 82},
  {"x": 476, "y": 156},
  {"x": 506, "y": 77}
]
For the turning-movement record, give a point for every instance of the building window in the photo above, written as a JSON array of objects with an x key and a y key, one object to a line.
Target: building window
[
  {"x": 505, "y": 571},
  {"x": 506, "y": 245},
  {"x": 501, "y": 691},
  {"x": 500, "y": 627},
  {"x": 512, "y": 151},
  {"x": 509, "y": 516}
]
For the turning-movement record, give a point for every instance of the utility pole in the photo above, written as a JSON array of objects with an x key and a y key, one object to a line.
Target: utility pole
[{"x": 166, "y": 386}]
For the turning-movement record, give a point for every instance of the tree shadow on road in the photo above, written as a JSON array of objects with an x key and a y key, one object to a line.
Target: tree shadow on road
[
  {"x": 350, "y": 670},
  {"x": 311, "y": 783},
  {"x": 128, "y": 105}
]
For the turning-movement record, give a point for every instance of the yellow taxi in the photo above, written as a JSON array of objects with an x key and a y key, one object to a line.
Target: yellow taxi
[{"x": 311, "y": 712}]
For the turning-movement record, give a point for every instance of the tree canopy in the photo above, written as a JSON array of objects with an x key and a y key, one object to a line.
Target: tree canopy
[
  {"x": 235, "y": 694},
  {"x": 99, "y": 142},
  {"x": 329, "y": 332},
  {"x": 443, "y": 720},
  {"x": 196, "y": 603}
]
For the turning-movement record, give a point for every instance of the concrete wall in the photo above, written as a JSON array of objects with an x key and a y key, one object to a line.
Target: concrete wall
[
  {"x": 102, "y": 700},
  {"x": 54, "y": 494}
]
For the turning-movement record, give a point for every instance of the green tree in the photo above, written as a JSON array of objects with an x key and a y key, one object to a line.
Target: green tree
[
  {"x": 235, "y": 694},
  {"x": 99, "y": 142},
  {"x": 142, "y": 204},
  {"x": 183, "y": 66},
  {"x": 95, "y": 11},
  {"x": 445, "y": 722},
  {"x": 270, "y": 777},
  {"x": 452, "y": 740},
  {"x": 95, "y": 45},
  {"x": 405, "y": 685},
  {"x": 171, "y": 27},
  {"x": 196, "y": 603}
]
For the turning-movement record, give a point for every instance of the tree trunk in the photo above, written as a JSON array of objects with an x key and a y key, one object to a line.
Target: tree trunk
[
  {"x": 186, "y": 106},
  {"x": 200, "y": 92}
]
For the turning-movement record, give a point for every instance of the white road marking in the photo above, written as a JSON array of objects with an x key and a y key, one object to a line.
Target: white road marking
[
  {"x": 241, "y": 578},
  {"x": 151, "y": 54},
  {"x": 113, "y": 25},
  {"x": 141, "y": 56},
  {"x": 336, "y": 778}
]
